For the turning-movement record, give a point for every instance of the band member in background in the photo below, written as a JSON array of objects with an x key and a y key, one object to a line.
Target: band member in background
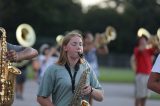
[
  {"x": 18, "y": 53},
  {"x": 143, "y": 57},
  {"x": 91, "y": 49},
  {"x": 154, "y": 78},
  {"x": 48, "y": 56},
  {"x": 36, "y": 68},
  {"x": 60, "y": 80},
  {"x": 20, "y": 79}
]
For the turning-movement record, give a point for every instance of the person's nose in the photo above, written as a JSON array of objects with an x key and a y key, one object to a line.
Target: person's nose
[{"x": 79, "y": 48}]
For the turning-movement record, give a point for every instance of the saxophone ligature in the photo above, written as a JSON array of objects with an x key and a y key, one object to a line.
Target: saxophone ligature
[{"x": 8, "y": 74}]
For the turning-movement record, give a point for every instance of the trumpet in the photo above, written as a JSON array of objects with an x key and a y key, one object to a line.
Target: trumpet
[
  {"x": 153, "y": 41},
  {"x": 106, "y": 37}
]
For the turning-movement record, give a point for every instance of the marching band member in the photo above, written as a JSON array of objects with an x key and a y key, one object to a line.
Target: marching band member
[
  {"x": 60, "y": 79},
  {"x": 143, "y": 57}
]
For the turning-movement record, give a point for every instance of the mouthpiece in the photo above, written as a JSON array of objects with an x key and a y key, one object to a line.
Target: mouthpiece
[{"x": 80, "y": 54}]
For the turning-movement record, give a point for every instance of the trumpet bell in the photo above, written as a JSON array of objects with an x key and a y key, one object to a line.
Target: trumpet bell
[
  {"x": 25, "y": 35},
  {"x": 59, "y": 39},
  {"x": 110, "y": 33},
  {"x": 106, "y": 37},
  {"x": 158, "y": 33},
  {"x": 143, "y": 32}
]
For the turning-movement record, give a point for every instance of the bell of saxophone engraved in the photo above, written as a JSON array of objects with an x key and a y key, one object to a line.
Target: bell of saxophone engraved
[{"x": 8, "y": 74}]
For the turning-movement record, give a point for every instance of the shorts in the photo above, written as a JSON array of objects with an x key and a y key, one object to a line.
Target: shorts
[
  {"x": 20, "y": 79},
  {"x": 141, "y": 90}
]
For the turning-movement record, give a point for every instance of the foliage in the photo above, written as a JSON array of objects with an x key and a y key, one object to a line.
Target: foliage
[{"x": 52, "y": 17}]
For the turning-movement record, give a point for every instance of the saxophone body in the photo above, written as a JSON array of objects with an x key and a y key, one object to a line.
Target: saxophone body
[
  {"x": 8, "y": 74},
  {"x": 77, "y": 99}
]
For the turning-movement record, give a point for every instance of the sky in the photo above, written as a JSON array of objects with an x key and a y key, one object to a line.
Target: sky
[
  {"x": 86, "y": 3},
  {"x": 109, "y": 3}
]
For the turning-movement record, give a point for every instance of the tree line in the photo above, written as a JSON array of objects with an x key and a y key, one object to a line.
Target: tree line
[{"x": 50, "y": 18}]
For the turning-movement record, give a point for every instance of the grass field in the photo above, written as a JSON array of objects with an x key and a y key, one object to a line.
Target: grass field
[
  {"x": 120, "y": 75},
  {"x": 116, "y": 75}
]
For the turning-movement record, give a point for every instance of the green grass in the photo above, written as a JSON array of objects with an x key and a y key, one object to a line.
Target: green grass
[{"x": 119, "y": 75}]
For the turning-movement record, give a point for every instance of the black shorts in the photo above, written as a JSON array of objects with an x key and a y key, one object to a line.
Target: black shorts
[{"x": 21, "y": 78}]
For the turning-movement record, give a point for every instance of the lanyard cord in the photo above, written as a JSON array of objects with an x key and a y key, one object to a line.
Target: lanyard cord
[{"x": 74, "y": 75}]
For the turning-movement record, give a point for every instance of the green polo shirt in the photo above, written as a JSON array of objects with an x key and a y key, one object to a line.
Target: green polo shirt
[{"x": 57, "y": 82}]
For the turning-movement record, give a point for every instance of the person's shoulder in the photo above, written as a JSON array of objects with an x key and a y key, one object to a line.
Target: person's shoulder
[
  {"x": 55, "y": 66},
  {"x": 135, "y": 49}
]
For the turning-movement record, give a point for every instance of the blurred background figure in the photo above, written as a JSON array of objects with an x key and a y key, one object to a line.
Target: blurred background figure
[
  {"x": 143, "y": 57},
  {"x": 48, "y": 55},
  {"x": 20, "y": 79},
  {"x": 90, "y": 52},
  {"x": 36, "y": 67},
  {"x": 91, "y": 49}
]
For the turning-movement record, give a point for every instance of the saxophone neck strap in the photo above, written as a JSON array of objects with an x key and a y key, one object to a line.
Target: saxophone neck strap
[{"x": 74, "y": 75}]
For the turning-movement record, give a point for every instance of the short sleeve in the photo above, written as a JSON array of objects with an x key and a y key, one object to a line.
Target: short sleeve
[
  {"x": 156, "y": 66},
  {"x": 47, "y": 83},
  {"x": 152, "y": 51},
  {"x": 94, "y": 81},
  {"x": 15, "y": 47}
]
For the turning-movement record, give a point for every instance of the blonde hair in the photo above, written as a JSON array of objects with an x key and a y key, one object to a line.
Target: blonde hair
[{"x": 63, "y": 55}]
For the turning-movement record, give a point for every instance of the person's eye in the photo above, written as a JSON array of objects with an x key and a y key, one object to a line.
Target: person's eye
[{"x": 73, "y": 44}]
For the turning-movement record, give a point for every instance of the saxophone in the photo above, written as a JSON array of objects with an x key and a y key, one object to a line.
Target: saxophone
[
  {"x": 7, "y": 74},
  {"x": 77, "y": 98}
]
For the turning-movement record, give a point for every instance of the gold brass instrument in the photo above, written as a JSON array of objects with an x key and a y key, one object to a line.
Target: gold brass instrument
[
  {"x": 143, "y": 32},
  {"x": 59, "y": 39},
  {"x": 152, "y": 40},
  {"x": 25, "y": 35},
  {"x": 8, "y": 74},
  {"x": 106, "y": 37},
  {"x": 76, "y": 99}
]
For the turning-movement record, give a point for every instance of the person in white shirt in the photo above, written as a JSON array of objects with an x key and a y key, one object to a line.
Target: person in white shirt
[
  {"x": 46, "y": 58},
  {"x": 154, "y": 78}
]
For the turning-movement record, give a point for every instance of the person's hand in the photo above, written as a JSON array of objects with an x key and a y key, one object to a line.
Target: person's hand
[
  {"x": 11, "y": 56},
  {"x": 86, "y": 90}
]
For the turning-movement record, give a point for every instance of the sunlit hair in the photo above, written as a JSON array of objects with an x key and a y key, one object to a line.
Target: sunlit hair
[{"x": 63, "y": 55}]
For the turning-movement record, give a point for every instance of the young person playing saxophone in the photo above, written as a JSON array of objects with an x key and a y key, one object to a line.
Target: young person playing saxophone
[{"x": 60, "y": 79}]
